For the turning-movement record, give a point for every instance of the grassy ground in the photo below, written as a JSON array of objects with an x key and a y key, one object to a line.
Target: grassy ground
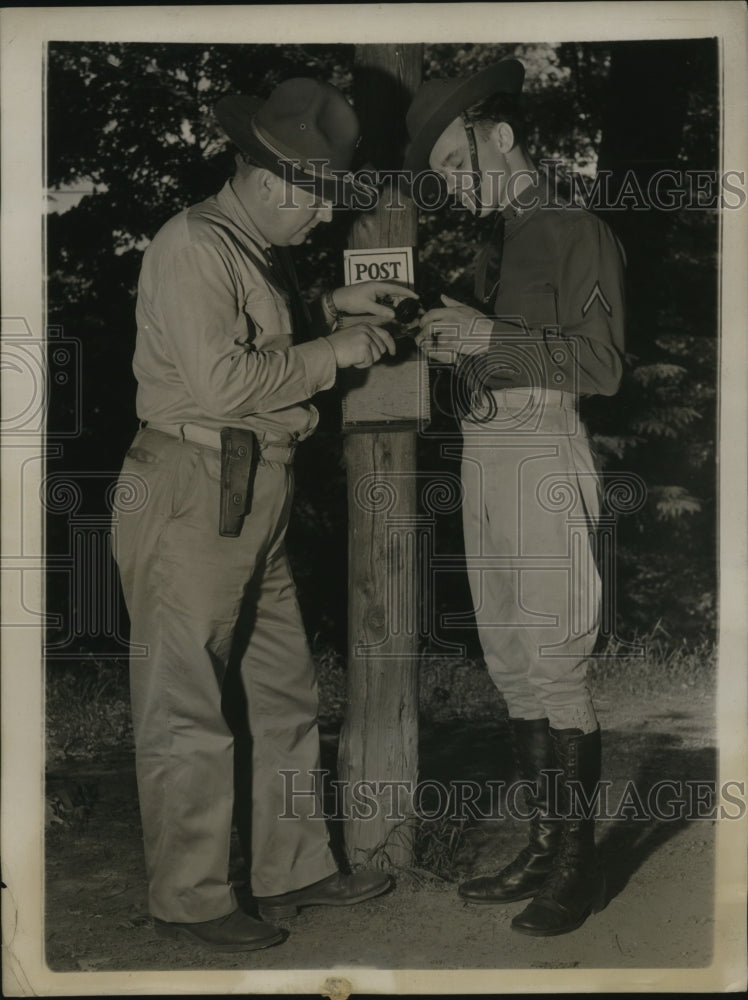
[
  {"x": 88, "y": 718},
  {"x": 88, "y": 711}
]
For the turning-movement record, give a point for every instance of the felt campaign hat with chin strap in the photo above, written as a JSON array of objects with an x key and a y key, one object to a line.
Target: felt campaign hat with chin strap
[
  {"x": 438, "y": 102},
  {"x": 305, "y": 132},
  {"x": 435, "y": 106}
]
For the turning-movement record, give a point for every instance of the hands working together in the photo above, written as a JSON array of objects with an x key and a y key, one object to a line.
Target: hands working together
[
  {"x": 359, "y": 339},
  {"x": 447, "y": 332}
]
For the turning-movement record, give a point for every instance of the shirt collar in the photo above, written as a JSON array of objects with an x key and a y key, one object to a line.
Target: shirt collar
[
  {"x": 230, "y": 203},
  {"x": 523, "y": 205}
]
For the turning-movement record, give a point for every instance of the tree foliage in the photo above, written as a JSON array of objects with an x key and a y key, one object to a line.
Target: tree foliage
[{"x": 132, "y": 126}]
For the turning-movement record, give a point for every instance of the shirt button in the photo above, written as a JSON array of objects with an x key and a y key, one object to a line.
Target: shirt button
[
  {"x": 236, "y": 498},
  {"x": 241, "y": 451}
]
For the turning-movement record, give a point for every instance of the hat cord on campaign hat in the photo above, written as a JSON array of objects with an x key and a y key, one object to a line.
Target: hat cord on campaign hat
[{"x": 304, "y": 161}]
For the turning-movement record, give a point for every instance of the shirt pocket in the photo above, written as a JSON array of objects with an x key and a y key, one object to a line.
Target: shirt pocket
[
  {"x": 540, "y": 307},
  {"x": 268, "y": 321}
]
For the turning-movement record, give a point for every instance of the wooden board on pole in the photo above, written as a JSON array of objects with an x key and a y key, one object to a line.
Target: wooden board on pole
[{"x": 379, "y": 740}]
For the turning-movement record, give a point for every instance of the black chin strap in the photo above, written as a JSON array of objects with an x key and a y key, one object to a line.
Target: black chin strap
[{"x": 474, "y": 162}]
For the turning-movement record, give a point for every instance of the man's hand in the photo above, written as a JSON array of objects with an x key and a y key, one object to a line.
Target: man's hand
[
  {"x": 453, "y": 330},
  {"x": 360, "y": 345},
  {"x": 363, "y": 298}
]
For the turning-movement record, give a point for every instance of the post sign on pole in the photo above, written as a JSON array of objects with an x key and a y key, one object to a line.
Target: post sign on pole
[
  {"x": 387, "y": 264},
  {"x": 394, "y": 393}
]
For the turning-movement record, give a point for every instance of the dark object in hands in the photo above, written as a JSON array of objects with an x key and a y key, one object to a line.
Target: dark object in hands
[{"x": 406, "y": 312}]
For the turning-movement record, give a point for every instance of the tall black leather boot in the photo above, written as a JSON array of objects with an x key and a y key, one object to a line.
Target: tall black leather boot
[
  {"x": 576, "y": 886},
  {"x": 521, "y": 878}
]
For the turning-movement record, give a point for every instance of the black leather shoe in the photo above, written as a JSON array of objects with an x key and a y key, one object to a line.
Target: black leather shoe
[
  {"x": 235, "y": 932},
  {"x": 336, "y": 890}
]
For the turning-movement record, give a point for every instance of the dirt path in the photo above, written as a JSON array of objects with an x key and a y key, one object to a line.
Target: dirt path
[{"x": 660, "y": 873}]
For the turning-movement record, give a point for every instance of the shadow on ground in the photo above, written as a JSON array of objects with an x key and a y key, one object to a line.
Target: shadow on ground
[{"x": 638, "y": 815}]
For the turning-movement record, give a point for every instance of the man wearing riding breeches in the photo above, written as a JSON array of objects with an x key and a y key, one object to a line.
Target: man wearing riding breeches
[{"x": 546, "y": 329}]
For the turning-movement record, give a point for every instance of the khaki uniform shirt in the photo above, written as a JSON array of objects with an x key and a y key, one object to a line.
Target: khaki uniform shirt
[{"x": 214, "y": 342}]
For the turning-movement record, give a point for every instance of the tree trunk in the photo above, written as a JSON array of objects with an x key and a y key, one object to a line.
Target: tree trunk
[{"x": 379, "y": 740}]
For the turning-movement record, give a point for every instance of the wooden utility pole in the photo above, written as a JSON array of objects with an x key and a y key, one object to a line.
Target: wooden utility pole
[{"x": 379, "y": 739}]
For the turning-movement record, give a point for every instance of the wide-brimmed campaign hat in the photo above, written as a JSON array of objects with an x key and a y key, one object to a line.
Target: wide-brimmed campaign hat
[
  {"x": 438, "y": 102},
  {"x": 305, "y": 132}
]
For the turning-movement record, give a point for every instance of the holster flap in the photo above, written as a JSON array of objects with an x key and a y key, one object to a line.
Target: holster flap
[{"x": 238, "y": 450}]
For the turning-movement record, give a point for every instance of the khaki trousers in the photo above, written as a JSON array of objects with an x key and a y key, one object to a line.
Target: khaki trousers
[
  {"x": 530, "y": 509},
  {"x": 202, "y": 605}
]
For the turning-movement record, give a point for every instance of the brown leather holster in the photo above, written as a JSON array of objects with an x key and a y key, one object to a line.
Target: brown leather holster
[{"x": 238, "y": 454}]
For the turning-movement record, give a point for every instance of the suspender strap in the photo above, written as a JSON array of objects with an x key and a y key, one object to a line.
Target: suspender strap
[{"x": 474, "y": 161}]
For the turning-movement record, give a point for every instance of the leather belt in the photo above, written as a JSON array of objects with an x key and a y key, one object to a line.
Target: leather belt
[{"x": 209, "y": 438}]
